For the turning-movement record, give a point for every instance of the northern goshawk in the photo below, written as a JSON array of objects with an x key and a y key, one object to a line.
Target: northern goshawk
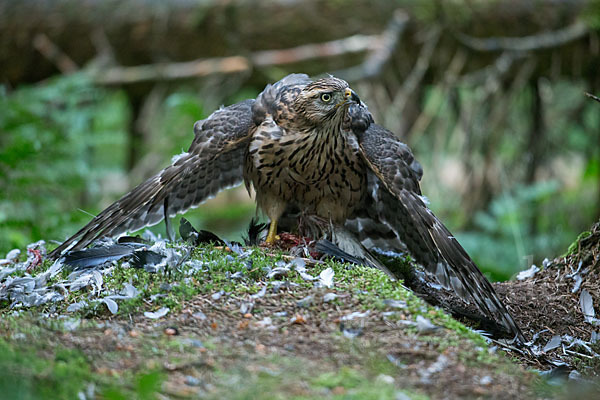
[{"x": 312, "y": 145}]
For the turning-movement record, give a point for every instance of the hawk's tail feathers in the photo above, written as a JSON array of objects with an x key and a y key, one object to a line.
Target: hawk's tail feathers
[
  {"x": 453, "y": 267},
  {"x": 115, "y": 219}
]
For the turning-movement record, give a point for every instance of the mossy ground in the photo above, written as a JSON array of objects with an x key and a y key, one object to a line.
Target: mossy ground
[{"x": 288, "y": 343}]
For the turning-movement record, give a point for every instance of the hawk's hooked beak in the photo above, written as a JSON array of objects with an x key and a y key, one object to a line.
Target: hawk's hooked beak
[{"x": 349, "y": 94}]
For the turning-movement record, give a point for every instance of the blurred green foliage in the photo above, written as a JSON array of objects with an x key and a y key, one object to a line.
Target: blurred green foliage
[
  {"x": 501, "y": 239},
  {"x": 62, "y": 374},
  {"x": 57, "y": 140},
  {"x": 35, "y": 370},
  {"x": 524, "y": 222},
  {"x": 591, "y": 14}
]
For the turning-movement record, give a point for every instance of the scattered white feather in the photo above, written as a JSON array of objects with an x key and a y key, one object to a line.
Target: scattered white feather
[
  {"x": 326, "y": 277},
  {"x": 528, "y": 273},
  {"x": 157, "y": 314}
]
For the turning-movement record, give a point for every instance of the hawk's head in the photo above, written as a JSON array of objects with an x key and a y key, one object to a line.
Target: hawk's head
[{"x": 325, "y": 100}]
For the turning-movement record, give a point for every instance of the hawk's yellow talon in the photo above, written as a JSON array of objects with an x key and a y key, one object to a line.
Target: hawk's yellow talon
[{"x": 272, "y": 236}]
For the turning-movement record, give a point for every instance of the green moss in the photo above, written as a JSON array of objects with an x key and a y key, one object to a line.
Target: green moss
[
  {"x": 35, "y": 366},
  {"x": 573, "y": 247},
  {"x": 30, "y": 374},
  {"x": 144, "y": 386},
  {"x": 293, "y": 378}
]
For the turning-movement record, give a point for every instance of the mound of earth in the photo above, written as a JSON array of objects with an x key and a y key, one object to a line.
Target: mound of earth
[{"x": 555, "y": 307}]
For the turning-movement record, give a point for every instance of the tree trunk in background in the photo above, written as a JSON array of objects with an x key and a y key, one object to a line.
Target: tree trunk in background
[{"x": 536, "y": 146}]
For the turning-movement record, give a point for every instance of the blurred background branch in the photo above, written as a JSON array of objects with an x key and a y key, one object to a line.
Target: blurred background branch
[
  {"x": 541, "y": 41},
  {"x": 95, "y": 96}
]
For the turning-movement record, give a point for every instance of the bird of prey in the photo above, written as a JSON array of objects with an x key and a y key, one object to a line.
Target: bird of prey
[{"x": 313, "y": 145}]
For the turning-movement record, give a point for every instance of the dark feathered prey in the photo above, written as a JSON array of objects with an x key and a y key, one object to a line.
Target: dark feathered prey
[{"x": 311, "y": 145}]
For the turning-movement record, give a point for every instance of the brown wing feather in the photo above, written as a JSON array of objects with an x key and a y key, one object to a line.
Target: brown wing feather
[
  {"x": 201, "y": 172},
  {"x": 400, "y": 206}
]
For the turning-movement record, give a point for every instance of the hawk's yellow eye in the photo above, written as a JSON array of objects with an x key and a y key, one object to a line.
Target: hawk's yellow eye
[{"x": 326, "y": 97}]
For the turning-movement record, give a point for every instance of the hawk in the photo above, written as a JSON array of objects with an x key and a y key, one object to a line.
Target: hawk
[{"x": 314, "y": 146}]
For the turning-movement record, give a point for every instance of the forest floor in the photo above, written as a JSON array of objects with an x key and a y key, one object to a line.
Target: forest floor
[
  {"x": 247, "y": 323},
  {"x": 555, "y": 306}
]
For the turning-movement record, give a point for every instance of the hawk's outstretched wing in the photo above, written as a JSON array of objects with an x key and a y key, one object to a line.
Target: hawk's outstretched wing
[
  {"x": 200, "y": 173},
  {"x": 396, "y": 207}
]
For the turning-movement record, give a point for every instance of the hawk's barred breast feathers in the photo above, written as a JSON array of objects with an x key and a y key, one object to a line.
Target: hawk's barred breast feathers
[{"x": 299, "y": 154}]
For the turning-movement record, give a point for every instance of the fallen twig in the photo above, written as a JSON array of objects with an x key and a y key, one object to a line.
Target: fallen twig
[
  {"x": 170, "y": 71},
  {"x": 352, "y": 44},
  {"x": 526, "y": 43},
  {"x": 233, "y": 64},
  {"x": 54, "y": 54},
  {"x": 591, "y": 96}
]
